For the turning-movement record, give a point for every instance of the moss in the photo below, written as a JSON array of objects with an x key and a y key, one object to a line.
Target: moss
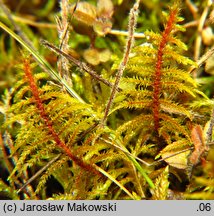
[{"x": 125, "y": 127}]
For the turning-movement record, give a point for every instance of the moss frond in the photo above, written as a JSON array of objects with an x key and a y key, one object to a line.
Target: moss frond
[
  {"x": 115, "y": 128},
  {"x": 7, "y": 191},
  {"x": 68, "y": 119},
  {"x": 156, "y": 75},
  {"x": 162, "y": 186}
]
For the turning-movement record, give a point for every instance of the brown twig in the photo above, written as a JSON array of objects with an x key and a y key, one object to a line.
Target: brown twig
[
  {"x": 81, "y": 65},
  {"x": 132, "y": 23},
  {"x": 38, "y": 173}
]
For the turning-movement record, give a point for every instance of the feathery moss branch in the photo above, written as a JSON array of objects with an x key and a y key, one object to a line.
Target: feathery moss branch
[
  {"x": 158, "y": 66},
  {"x": 49, "y": 123}
]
